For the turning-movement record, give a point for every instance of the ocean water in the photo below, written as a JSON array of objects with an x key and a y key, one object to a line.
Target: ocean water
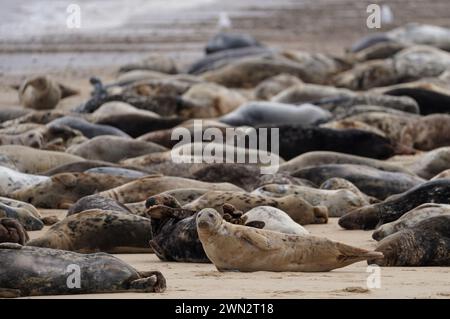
[{"x": 32, "y": 18}]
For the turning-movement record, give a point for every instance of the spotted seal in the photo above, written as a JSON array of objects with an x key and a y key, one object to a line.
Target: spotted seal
[
  {"x": 98, "y": 230},
  {"x": 436, "y": 191},
  {"x": 425, "y": 244}
]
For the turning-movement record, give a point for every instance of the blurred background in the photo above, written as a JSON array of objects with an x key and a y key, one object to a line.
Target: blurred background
[{"x": 34, "y": 37}]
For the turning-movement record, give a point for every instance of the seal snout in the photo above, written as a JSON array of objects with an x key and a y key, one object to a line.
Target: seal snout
[{"x": 207, "y": 217}]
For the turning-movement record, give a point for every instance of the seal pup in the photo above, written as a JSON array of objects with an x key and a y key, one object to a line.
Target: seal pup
[
  {"x": 39, "y": 93},
  {"x": 32, "y": 161},
  {"x": 11, "y": 180},
  {"x": 25, "y": 217},
  {"x": 98, "y": 230},
  {"x": 63, "y": 190},
  {"x": 338, "y": 202},
  {"x": 33, "y": 271},
  {"x": 145, "y": 187},
  {"x": 294, "y": 205},
  {"x": 411, "y": 219},
  {"x": 113, "y": 148},
  {"x": 11, "y": 231},
  {"x": 369, "y": 217},
  {"x": 425, "y": 244},
  {"x": 239, "y": 248},
  {"x": 260, "y": 113},
  {"x": 97, "y": 202},
  {"x": 31, "y": 138},
  {"x": 371, "y": 181}
]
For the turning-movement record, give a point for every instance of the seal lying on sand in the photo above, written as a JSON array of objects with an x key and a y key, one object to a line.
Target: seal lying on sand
[
  {"x": 226, "y": 40},
  {"x": 11, "y": 180},
  {"x": 338, "y": 100},
  {"x": 294, "y": 205},
  {"x": 97, "y": 202},
  {"x": 317, "y": 158},
  {"x": 274, "y": 85},
  {"x": 32, "y": 271},
  {"x": 145, "y": 187},
  {"x": 411, "y": 219},
  {"x": 436, "y": 191},
  {"x": 62, "y": 190},
  {"x": 338, "y": 202},
  {"x": 11, "y": 231},
  {"x": 113, "y": 148},
  {"x": 295, "y": 140},
  {"x": 407, "y": 65},
  {"x": 88, "y": 129},
  {"x": 39, "y": 93},
  {"x": 33, "y": 161},
  {"x": 22, "y": 215},
  {"x": 239, "y": 248},
  {"x": 98, "y": 230},
  {"x": 174, "y": 229},
  {"x": 425, "y": 244},
  {"x": 409, "y": 34},
  {"x": 370, "y": 181},
  {"x": 260, "y": 113}
]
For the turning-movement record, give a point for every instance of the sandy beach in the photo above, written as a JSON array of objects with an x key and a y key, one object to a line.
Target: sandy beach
[
  {"x": 190, "y": 280},
  {"x": 181, "y": 31}
]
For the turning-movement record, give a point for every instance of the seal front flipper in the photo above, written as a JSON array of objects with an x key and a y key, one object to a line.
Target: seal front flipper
[
  {"x": 9, "y": 293},
  {"x": 256, "y": 239},
  {"x": 256, "y": 224}
]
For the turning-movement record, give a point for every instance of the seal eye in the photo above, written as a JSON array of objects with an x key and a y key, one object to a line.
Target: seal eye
[{"x": 210, "y": 215}]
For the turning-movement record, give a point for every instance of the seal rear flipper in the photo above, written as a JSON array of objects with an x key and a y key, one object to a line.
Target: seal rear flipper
[
  {"x": 151, "y": 281},
  {"x": 349, "y": 254},
  {"x": 9, "y": 293}
]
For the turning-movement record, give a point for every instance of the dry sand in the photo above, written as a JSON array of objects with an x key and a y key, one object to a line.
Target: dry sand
[
  {"x": 191, "y": 280},
  {"x": 312, "y": 25}
]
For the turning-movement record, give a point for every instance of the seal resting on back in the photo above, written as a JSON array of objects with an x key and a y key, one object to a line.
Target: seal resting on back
[
  {"x": 426, "y": 244},
  {"x": 239, "y": 248},
  {"x": 32, "y": 271},
  {"x": 98, "y": 230},
  {"x": 368, "y": 217}
]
